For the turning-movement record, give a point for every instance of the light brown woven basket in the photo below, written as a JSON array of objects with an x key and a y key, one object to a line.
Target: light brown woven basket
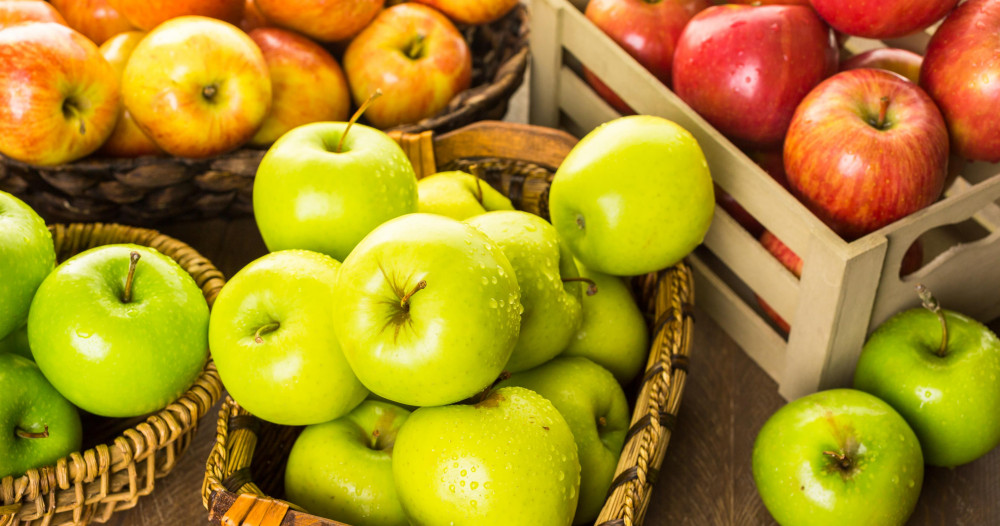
[
  {"x": 245, "y": 471},
  {"x": 150, "y": 190},
  {"x": 124, "y": 456}
]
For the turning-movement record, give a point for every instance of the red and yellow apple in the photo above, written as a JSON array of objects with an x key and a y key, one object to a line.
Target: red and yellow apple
[
  {"x": 323, "y": 20},
  {"x": 881, "y": 19},
  {"x": 961, "y": 72},
  {"x": 906, "y": 63},
  {"x": 866, "y": 147},
  {"x": 127, "y": 139},
  {"x": 307, "y": 84},
  {"x": 197, "y": 86},
  {"x": 647, "y": 29},
  {"x": 96, "y": 19},
  {"x": 147, "y": 14},
  {"x": 472, "y": 13},
  {"x": 745, "y": 68},
  {"x": 415, "y": 56},
  {"x": 14, "y": 13},
  {"x": 59, "y": 98}
]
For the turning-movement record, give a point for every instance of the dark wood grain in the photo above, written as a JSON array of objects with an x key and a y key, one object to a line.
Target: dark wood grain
[{"x": 706, "y": 476}]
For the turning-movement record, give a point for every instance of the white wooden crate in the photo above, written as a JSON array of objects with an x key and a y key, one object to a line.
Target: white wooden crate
[{"x": 846, "y": 289}]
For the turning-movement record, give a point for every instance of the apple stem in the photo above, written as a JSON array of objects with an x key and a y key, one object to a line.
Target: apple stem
[
  {"x": 475, "y": 170},
  {"x": 883, "y": 108},
  {"x": 28, "y": 434},
  {"x": 270, "y": 327},
  {"x": 931, "y": 303},
  {"x": 591, "y": 290},
  {"x": 133, "y": 259},
  {"x": 405, "y": 302},
  {"x": 843, "y": 462},
  {"x": 357, "y": 115}
]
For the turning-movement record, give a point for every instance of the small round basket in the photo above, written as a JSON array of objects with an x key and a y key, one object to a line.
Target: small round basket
[
  {"x": 150, "y": 190},
  {"x": 122, "y": 457},
  {"x": 244, "y": 475}
]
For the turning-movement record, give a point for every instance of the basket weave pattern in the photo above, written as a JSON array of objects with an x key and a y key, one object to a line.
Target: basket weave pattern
[
  {"x": 89, "y": 486},
  {"x": 149, "y": 190},
  {"x": 245, "y": 468}
]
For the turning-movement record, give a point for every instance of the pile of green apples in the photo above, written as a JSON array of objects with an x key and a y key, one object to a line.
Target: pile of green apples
[
  {"x": 117, "y": 331},
  {"x": 456, "y": 361}
]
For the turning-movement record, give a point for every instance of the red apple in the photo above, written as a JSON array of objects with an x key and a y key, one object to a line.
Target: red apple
[
  {"x": 745, "y": 68},
  {"x": 961, "y": 73},
  {"x": 913, "y": 259},
  {"x": 252, "y": 17},
  {"x": 473, "y": 13},
  {"x": 197, "y": 86},
  {"x": 647, "y": 29},
  {"x": 307, "y": 84},
  {"x": 14, "y": 13},
  {"x": 59, "y": 98},
  {"x": 906, "y": 63},
  {"x": 96, "y": 19},
  {"x": 127, "y": 139},
  {"x": 324, "y": 20},
  {"x": 415, "y": 56},
  {"x": 881, "y": 18},
  {"x": 147, "y": 14},
  {"x": 865, "y": 148}
]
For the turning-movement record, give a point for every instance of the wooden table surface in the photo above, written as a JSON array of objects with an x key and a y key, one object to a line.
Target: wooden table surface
[{"x": 705, "y": 478}]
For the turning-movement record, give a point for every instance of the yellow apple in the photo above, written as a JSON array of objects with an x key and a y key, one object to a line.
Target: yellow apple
[{"x": 197, "y": 86}]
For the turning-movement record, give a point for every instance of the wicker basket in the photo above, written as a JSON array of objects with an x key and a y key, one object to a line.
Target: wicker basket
[
  {"x": 124, "y": 456},
  {"x": 148, "y": 190},
  {"x": 245, "y": 468}
]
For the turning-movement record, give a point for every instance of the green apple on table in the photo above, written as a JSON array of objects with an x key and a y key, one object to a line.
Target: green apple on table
[
  {"x": 17, "y": 343},
  {"x": 53, "y": 115},
  {"x": 321, "y": 190},
  {"x": 273, "y": 341},
  {"x": 613, "y": 332},
  {"x": 596, "y": 410},
  {"x": 633, "y": 196},
  {"x": 37, "y": 425},
  {"x": 120, "y": 330},
  {"x": 508, "y": 459},
  {"x": 427, "y": 310},
  {"x": 342, "y": 470},
  {"x": 546, "y": 274},
  {"x": 458, "y": 195},
  {"x": 197, "y": 86},
  {"x": 947, "y": 390},
  {"x": 27, "y": 255},
  {"x": 838, "y": 457}
]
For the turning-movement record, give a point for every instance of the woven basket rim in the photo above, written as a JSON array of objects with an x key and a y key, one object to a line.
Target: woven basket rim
[{"x": 72, "y": 469}]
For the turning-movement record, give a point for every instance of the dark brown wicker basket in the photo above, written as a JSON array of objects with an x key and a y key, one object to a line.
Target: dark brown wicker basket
[
  {"x": 123, "y": 457},
  {"x": 149, "y": 190},
  {"x": 244, "y": 473}
]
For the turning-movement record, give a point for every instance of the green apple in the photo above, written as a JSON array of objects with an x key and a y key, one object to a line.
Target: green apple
[
  {"x": 458, "y": 195},
  {"x": 633, "y": 196},
  {"x": 17, "y": 343},
  {"x": 119, "y": 330},
  {"x": 594, "y": 406},
  {"x": 427, "y": 310},
  {"x": 37, "y": 425},
  {"x": 342, "y": 470},
  {"x": 27, "y": 255},
  {"x": 272, "y": 339},
  {"x": 552, "y": 311},
  {"x": 313, "y": 193},
  {"x": 509, "y": 459},
  {"x": 838, "y": 457},
  {"x": 949, "y": 394},
  {"x": 613, "y": 332}
]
